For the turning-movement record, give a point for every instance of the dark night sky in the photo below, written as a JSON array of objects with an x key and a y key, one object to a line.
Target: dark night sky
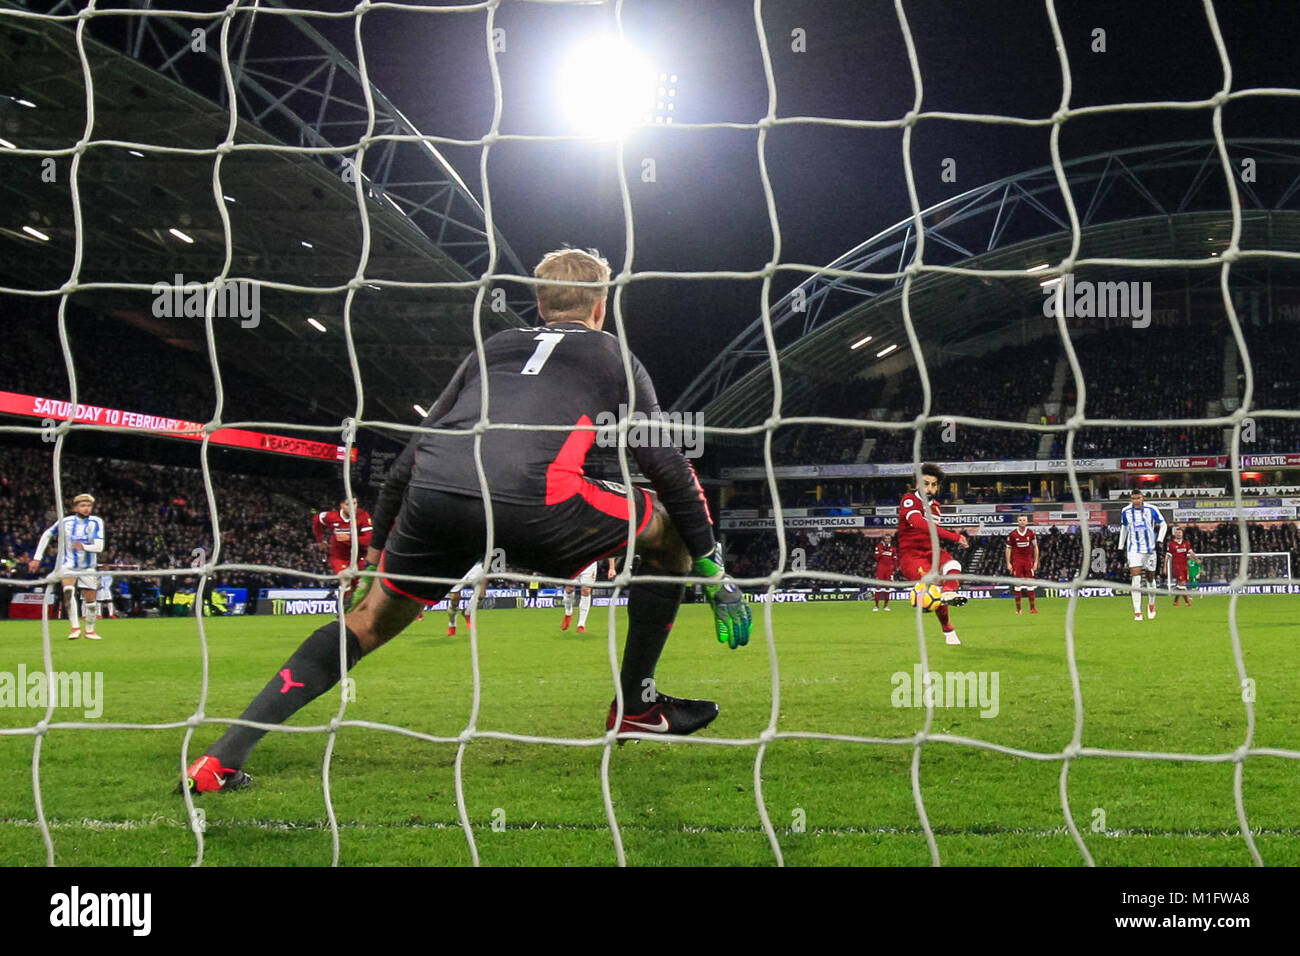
[{"x": 834, "y": 187}]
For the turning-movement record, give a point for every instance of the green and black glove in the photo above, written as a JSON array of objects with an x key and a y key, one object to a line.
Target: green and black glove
[
  {"x": 731, "y": 618},
  {"x": 362, "y": 588}
]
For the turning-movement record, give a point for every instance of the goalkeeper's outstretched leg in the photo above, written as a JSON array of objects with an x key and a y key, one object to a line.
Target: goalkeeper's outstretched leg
[{"x": 386, "y": 611}]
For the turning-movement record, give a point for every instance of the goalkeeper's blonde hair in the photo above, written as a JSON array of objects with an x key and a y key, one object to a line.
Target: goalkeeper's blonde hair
[{"x": 565, "y": 303}]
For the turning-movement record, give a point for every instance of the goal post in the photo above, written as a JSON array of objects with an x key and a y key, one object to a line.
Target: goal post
[{"x": 1221, "y": 567}]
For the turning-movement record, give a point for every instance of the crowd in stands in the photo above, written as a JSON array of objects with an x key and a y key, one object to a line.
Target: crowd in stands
[
  {"x": 157, "y": 516},
  {"x": 1277, "y": 387},
  {"x": 1002, "y": 385},
  {"x": 107, "y": 358},
  {"x": 1128, "y": 376}
]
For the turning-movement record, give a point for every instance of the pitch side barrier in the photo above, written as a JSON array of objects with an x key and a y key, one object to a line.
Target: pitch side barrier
[{"x": 317, "y": 601}]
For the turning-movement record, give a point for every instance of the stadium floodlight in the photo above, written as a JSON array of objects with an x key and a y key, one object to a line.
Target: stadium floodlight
[
  {"x": 36, "y": 233},
  {"x": 860, "y": 342},
  {"x": 1045, "y": 283},
  {"x": 315, "y": 325},
  {"x": 27, "y": 103},
  {"x": 1040, "y": 267},
  {"x": 886, "y": 350},
  {"x": 228, "y": 198},
  {"x": 306, "y": 244},
  {"x": 419, "y": 410},
  {"x": 605, "y": 86},
  {"x": 180, "y": 235},
  {"x": 136, "y": 152}
]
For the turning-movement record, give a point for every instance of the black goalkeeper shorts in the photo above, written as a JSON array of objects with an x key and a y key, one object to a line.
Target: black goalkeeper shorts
[{"x": 439, "y": 534}]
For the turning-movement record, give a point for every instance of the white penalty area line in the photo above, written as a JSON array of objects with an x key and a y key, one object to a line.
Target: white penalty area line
[{"x": 90, "y": 824}]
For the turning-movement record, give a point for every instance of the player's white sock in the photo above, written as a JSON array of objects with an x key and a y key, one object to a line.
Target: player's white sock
[
  {"x": 92, "y": 614},
  {"x": 584, "y": 608},
  {"x": 70, "y": 606},
  {"x": 568, "y": 602},
  {"x": 1137, "y": 596}
]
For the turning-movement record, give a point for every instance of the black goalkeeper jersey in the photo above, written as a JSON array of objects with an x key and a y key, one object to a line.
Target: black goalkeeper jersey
[{"x": 559, "y": 375}]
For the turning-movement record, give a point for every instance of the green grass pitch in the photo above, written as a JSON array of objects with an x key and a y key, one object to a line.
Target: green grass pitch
[{"x": 1167, "y": 685}]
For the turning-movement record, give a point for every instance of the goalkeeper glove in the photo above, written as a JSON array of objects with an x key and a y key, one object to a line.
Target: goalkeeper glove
[
  {"x": 362, "y": 589},
  {"x": 731, "y": 618}
]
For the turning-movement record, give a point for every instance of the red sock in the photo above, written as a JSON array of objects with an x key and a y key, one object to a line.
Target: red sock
[
  {"x": 941, "y": 612},
  {"x": 1017, "y": 600},
  {"x": 1031, "y": 600}
]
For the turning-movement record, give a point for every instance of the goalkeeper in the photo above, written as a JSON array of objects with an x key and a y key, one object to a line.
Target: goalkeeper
[{"x": 548, "y": 516}]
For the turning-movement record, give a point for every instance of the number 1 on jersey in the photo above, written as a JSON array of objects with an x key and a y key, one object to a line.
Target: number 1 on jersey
[{"x": 546, "y": 345}]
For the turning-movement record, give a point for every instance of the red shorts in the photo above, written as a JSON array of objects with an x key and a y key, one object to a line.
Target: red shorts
[
  {"x": 1180, "y": 575},
  {"x": 1022, "y": 570},
  {"x": 339, "y": 565},
  {"x": 914, "y": 566},
  {"x": 885, "y": 572}
]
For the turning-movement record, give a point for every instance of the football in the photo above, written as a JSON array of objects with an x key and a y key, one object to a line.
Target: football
[{"x": 926, "y": 596}]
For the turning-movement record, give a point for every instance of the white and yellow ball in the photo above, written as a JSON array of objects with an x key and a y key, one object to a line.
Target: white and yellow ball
[{"x": 926, "y": 596}]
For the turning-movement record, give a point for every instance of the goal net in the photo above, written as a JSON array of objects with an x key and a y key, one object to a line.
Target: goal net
[
  {"x": 356, "y": 149},
  {"x": 1222, "y": 568}
]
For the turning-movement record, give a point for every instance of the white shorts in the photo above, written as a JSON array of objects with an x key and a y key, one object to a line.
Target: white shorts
[
  {"x": 1142, "y": 559},
  {"x": 587, "y": 576},
  {"x": 88, "y": 580}
]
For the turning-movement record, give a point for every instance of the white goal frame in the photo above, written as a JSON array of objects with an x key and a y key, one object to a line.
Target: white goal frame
[{"x": 1236, "y": 557}]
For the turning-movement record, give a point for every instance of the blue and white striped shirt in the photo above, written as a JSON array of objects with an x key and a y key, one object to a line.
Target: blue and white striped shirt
[
  {"x": 89, "y": 531},
  {"x": 1142, "y": 526}
]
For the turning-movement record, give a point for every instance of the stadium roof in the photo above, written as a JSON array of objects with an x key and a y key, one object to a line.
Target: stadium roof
[
  {"x": 147, "y": 207},
  {"x": 1151, "y": 203}
]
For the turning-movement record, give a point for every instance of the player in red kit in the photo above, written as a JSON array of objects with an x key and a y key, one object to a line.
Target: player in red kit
[
  {"x": 916, "y": 512},
  {"x": 1022, "y": 559},
  {"x": 335, "y": 529},
  {"x": 886, "y": 563},
  {"x": 1177, "y": 554}
]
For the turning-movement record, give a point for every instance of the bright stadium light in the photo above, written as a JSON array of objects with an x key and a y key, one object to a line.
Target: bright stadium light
[
  {"x": 1038, "y": 268},
  {"x": 180, "y": 235},
  {"x": 859, "y": 343},
  {"x": 315, "y": 325},
  {"x": 419, "y": 410},
  {"x": 885, "y": 351},
  {"x": 36, "y": 233},
  {"x": 136, "y": 152},
  {"x": 605, "y": 87}
]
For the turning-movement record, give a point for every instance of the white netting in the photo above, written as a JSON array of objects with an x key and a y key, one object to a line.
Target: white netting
[
  {"x": 489, "y": 275},
  {"x": 1221, "y": 568}
]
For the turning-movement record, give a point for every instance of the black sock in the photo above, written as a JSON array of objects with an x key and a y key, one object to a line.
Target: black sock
[
  {"x": 311, "y": 671},
  {"x": 651, "y": 610}
]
